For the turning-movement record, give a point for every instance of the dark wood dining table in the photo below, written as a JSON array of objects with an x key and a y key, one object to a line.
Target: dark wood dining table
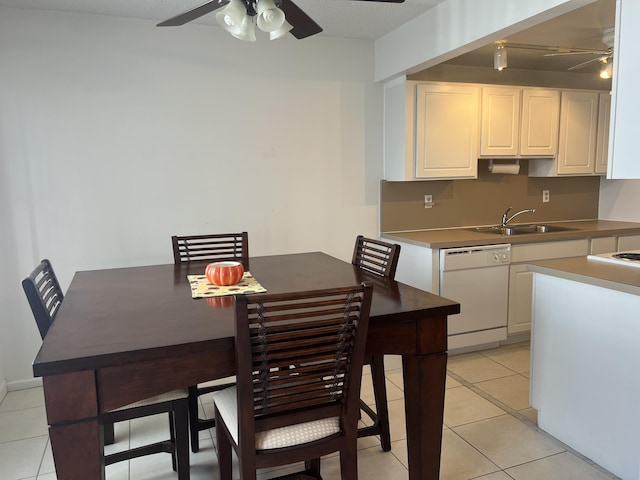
[{"x": 125, "y": 334}]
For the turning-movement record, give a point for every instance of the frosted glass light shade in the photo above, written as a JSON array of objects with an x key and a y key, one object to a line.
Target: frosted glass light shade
[
  {"x": 270, "y": 17},
  {"x": 231, "y": 17},
  {"x": 247, "y": 31},
  {"x": 280, "y": 32}
]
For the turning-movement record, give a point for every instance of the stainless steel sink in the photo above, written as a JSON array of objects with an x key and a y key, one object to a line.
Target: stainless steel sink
[{"x": 521, "y": 229}]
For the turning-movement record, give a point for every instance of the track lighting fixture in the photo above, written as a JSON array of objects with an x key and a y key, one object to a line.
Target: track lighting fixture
[
  {"x": 606, "y": 70},
  {"x": 500, "y": 57}
]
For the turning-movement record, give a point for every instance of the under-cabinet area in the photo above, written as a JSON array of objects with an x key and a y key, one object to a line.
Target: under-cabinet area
[
  {"x": 490, "y": 276},
  {"x": 439, "y": 130}
]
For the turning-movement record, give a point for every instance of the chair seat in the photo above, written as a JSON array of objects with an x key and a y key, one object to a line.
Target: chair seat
[
  {"x": 163, "y": 397},
  {"x": 227, "y": 403}
]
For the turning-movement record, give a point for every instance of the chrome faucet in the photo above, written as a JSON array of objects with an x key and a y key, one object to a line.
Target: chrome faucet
[{"x": 506, "y": 220}]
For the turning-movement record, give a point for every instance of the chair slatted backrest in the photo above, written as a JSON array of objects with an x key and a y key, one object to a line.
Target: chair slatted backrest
[
  {"x": 376, "y": 256},
  {"x": 300, "y": 356},
  {"x": 44, "y": 295},
  {"x": 214, "y": 247}
]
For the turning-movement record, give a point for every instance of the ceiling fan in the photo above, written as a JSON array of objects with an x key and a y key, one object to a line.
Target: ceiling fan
[
  {"x": 274, "y": 16},
  {"x": 604, "y": 56}
]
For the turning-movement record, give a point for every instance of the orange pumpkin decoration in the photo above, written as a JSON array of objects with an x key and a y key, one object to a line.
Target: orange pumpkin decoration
[{"x": 224, "y": 273}]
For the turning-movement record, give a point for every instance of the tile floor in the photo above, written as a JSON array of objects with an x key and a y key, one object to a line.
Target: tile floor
[{"x": 489, "y": 432}]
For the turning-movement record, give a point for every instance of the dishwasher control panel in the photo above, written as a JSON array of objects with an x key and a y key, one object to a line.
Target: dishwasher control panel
[{"x": 475, "y": 257}]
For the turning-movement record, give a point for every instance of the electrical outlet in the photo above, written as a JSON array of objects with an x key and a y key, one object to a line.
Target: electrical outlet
[
  {"x": 545, "y": 196},
  {"x": 428, "y": 201}
]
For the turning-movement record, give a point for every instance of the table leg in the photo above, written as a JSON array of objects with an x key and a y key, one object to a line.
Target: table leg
[
  {"x": 424, "y": 386},
  {"x": 74, "y": 430}
]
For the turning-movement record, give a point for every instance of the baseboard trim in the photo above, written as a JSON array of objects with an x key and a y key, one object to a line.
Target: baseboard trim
[
  {"x": 24, "y": 384},
  {"x": 3, "y": 390}
]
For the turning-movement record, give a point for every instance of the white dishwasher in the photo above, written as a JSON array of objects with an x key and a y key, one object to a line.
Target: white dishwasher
[{"x": 478, "y": 279}]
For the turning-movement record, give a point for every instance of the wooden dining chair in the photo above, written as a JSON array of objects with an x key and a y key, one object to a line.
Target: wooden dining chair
[
  {"x": 45, "y": 298},
  {"x": 279, "y": 414},
  {"x": 213, "y": 247},
  {"x": 379, "y": 258}
]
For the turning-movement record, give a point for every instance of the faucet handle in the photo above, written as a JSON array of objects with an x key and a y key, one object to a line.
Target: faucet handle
[{"x": 504, "y": 215}]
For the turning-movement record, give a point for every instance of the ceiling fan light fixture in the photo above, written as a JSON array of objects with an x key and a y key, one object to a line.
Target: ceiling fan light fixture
[
  {"x": 270, "y": 17},
  {"x": 500, "y": 58},
  {"x": 280, "y": 32},
  {"x": 247, "y": 30},
  {"x": 231, "y": 17}
]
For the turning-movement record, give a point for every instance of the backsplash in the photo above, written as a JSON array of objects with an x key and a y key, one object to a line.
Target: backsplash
[{"x": 459, "y": 203}]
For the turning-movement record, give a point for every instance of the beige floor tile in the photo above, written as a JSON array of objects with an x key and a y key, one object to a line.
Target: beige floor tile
[
  {"x": 477, "y": 368},
  {"x": 462, "y": 406},
  {"x": 397, "y": 424},
  {"x": 564, "y": 466},
  {"x": 459, "y": 460},
  {"x": 47, "y": 465},
  {"x": 22, "y": 424},
  {"x": 372, "y": 464},
  {"x": 395, "y": 377},
  {"x": 48, "y": 476},
  {"x": 495, "y": 476},
  {"x": 507, "y": 441},
  {"x": 531, "y": 413},
  {"x": 21, "y": 458},
  {"x": 366, "y": 391},
  {"x": 451, "y": 383},
  {"x": 517, "y": 359},
  {"x": 21, "y": 399},
  {"x": 513, "y": 391},
  {"x": 392, "y": 362},
  {"x": 399, "y": 450}
]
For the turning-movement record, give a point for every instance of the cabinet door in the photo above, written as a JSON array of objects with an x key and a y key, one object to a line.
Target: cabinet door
[
  {"x": 520, "y": 299},
  {"x": 578, "y": 127},
  {"x": 447, "y": 120},
  {"x": 629, "y": 242},
  {"x": 500, "y": 126},
  {"x": 602, "y": 140},
  {"x": 540, "y": 117}
]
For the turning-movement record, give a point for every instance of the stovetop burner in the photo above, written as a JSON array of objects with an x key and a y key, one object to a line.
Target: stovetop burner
[
  {"x": 634, "y": 257},
  {"x": 630, "y": 258}
]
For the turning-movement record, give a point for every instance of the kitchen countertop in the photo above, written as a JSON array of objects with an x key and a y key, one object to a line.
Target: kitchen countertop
[
  {"x": 466, "y": 236},
  {"x": 593, "y": 272}
]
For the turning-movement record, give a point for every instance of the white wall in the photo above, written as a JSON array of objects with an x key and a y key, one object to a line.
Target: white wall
[
  {"x": 619, "y": 199},
  {"x": 115, "y": 134}
]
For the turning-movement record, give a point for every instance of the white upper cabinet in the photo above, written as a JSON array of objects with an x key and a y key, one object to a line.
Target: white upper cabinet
[
  {"x": 431, "y": 130},
  {"x": 602, "y": 140},
  {"x": 578, "y": 130},
  {"x": 447, "y": 124},
  {"x": 577, "y": 137},
  {"x": 500, "y": 127},
  {"x": 519, "y": 122},
  {"x": 540, "y": 117}
]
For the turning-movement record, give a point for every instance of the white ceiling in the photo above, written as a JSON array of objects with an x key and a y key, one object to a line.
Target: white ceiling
[
  {"x": 338, "y": 18},
  {"x": 581, "y": 28}
]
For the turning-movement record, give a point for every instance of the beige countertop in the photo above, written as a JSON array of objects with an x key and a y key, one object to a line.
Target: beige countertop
[
  {"x": 466, "y": 236},
  {"x": 593, "y": 272}
]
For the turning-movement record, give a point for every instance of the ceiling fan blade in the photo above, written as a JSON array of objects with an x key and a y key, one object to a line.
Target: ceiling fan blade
[
  {"x": 590, "y": 52},
  {"x": 303, "y": 24},
  {"x": 584, "y": 64},
  {"x": 189, "y": 15}
]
